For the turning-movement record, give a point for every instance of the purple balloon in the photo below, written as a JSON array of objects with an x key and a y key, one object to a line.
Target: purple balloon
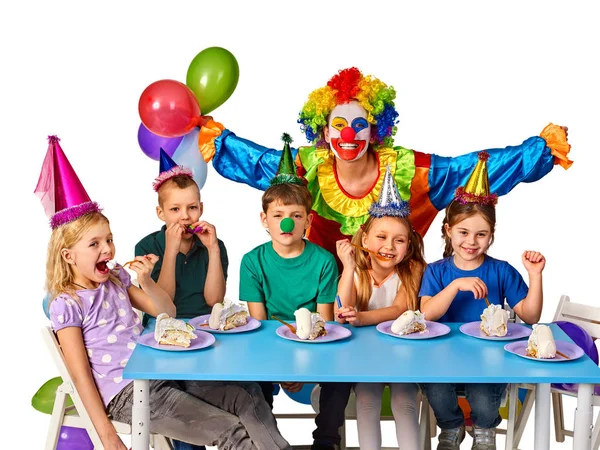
[
  {"x": 151, "y": 143},
  {"x": 71, "y": 438},
  {"x": 583, "y": 340}
]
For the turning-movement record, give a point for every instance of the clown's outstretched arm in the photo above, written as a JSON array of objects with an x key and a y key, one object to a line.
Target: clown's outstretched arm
[
  {"x": 507, "y": 167},
  {"x": 238, "y": 159}
]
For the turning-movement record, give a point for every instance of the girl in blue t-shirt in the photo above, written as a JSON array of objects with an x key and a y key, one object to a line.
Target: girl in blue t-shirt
[{"x": 453, "y": 290}]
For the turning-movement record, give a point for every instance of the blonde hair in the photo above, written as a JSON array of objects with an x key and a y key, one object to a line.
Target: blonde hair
[
  {"x": 409, "y": 270},
  {"x": 59, "y": 274}
]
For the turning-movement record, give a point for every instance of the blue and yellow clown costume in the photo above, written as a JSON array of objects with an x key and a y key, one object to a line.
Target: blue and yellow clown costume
[{"x": 427, "y": 181}]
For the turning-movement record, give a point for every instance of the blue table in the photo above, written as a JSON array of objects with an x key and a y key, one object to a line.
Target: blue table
[{"x": 366, "y": 356}]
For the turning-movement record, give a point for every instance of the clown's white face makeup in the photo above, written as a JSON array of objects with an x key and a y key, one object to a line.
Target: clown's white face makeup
[{"x": 348, "y": 132}]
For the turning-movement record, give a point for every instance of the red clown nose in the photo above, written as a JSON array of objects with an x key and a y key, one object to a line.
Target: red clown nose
[{"x": 348, "y": 134}]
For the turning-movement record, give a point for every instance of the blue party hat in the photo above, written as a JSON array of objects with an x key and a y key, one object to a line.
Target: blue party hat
[
  {"x": 168, "y": 170},
  {"x": 389, "y": 204}
]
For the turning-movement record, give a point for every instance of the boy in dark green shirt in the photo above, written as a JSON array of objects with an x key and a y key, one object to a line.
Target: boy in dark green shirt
[
  {"x": 192, "y": 265},
  {"x": 193, "y": 262}
]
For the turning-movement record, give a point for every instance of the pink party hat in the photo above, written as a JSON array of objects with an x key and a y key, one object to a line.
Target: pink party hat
[{"x": 62, "y": 195}]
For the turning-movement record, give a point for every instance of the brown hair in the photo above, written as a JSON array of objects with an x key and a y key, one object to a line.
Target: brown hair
[
  {"x": 410, "y": 269},
  {"x": 456, "y": 212},
  {"x": 181, "y": 181},
  {"x": 287, "y": 194},
  {"x": 59, "y": 274}
]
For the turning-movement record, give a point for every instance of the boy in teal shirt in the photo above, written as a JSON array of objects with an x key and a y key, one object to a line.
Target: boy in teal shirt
[{"x": 288, "y": 273}]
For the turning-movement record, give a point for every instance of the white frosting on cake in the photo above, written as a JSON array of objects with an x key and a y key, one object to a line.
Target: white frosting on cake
[
  {"x": 409, "y": 322},
  {"x": 308, "y": 325},
  {"x": 224, "y": 317},
  {"x": 172, "y": 331},
  {"x": 541, "y": 343},
  {"x": 215, "y": 316},
  {"x": 494, "y": 321}
]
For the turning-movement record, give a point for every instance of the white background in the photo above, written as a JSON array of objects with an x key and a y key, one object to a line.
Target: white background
[{"x": 469, "y": 76}]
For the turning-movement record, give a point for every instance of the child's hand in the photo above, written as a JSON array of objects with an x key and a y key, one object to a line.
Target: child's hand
[
  {"x": 350, "y": 315},
  {"x": 473, "y": 284},
  {"x": 143, "y": 266},
  {"x": 345, "y": 252},
  {"x": 533, "y": 261},
  {"x": 341, "y": 314},
  {"x": 173, "y": 235},
  {"x": 292, "y": 387},
  {"x": 207, "y": 235}
]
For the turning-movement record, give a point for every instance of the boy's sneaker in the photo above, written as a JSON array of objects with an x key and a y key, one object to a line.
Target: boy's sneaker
[
  {"x": 484, "y": 438},
  {"x": 450, "y": 439}
]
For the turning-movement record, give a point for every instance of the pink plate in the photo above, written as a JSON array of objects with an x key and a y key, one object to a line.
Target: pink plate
[
  {"x": 203, "y": 340},
  {"x": 334, "y": 333},
  {"x": 197, "y": 322},
  {"x": 514, "y": 331},
  {"x": 568, "y": 348},
  {"x": 433, "y": 330}
]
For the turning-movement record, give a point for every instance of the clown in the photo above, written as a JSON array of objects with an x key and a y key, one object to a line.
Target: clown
[{"x": 351, "y": 123}]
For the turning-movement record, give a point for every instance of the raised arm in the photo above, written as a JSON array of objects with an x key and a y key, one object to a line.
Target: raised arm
[
  {"x": 151, "y": 298},
  {"x": 507, "y": 167},
  {"x": 239, "y": 159}
]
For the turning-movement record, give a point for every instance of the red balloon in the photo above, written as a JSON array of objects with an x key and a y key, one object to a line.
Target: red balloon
[{"x": 169, "y": 108}]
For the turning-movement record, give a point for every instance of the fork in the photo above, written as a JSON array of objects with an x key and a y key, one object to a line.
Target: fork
[
  {"x": 291, "y": 327},
  {"x": 377, "y": 255}
]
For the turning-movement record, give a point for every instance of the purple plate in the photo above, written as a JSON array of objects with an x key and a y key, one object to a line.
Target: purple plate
[
  {"x": 515, "y": 331},
  {"x": 203, "y": 340},
  {"x": 197, "y": 322},
  {"x": 568, "y": 348},
  {"x": 433, "y": 330},
  {"x": 334, "y": 333}
]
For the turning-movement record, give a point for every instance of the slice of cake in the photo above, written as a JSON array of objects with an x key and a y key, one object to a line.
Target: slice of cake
[
  {"x": 170, "y": 331},
  {"x": 309, "y": 325},
  {"x": 494, "y": 321},
  {"x": 541, "y": 343},
  {"x": 227, "y": 317},
  {"x": 409, "y": 322}
]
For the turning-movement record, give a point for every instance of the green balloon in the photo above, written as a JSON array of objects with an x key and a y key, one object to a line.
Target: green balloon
[
  {"x": 287, "y": 225},
  {"x": 386, "y": 402},
  {"x": 43, "y": 399},
  {"x": 212, "y": 76}
]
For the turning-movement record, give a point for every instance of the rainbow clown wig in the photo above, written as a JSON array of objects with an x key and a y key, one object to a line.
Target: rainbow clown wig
[{"x": 349, "y": 84}]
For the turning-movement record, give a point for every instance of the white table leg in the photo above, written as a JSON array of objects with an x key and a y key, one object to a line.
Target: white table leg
[
  {"x": 542, "y": 417},
  {"x": 140, "y": 415},
  {"x": 582, "y": 430}
]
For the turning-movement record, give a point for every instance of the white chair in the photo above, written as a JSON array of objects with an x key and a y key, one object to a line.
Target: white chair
[
  {"x": 588, "y": 318},
  {"x": 80, "y": 419}
]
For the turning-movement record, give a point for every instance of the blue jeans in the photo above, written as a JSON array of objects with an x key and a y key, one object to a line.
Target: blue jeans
[
  {"x": 483, "y": 398},
  {"x": 178, "y": 445}
]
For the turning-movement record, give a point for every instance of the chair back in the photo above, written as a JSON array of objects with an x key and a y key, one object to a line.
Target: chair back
[{"x": 587, "y": 317}]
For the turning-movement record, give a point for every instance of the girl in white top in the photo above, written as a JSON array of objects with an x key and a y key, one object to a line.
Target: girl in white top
[{"x": 375, "y": 287}]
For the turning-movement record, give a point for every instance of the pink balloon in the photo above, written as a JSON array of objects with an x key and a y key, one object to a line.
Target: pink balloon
[{"x": 169, "y": 108}]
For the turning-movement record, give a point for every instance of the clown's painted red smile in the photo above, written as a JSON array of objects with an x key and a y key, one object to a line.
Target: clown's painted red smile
[{"x": 348, "y": 131}]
